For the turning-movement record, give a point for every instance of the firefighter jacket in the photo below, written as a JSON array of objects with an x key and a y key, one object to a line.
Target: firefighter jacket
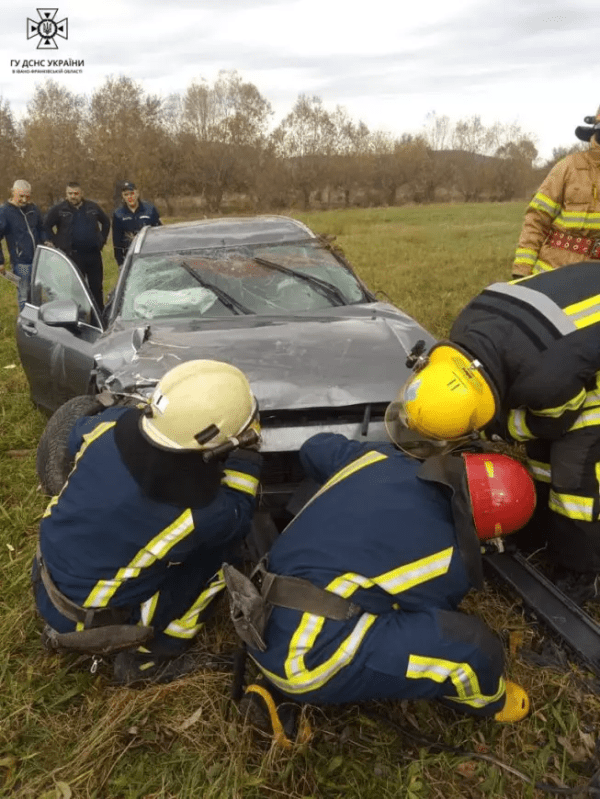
[
  {"x": 126, "y": 223},
  {"x": 568, "y": 201},
  {"x": 94, "y": 230},
  {"x": 537, "y": 339},
  {"x": 107, "y": 543},
  {"x": 379, "y": 535},
  {"x": 23, "y": 230}
]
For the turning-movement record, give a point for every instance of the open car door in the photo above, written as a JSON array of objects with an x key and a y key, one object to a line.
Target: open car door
[{"x": 57, "y": 330}]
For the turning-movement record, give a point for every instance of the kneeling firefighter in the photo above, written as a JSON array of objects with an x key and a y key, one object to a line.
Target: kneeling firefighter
[
  {"x": 358, "y": 597},
  {"x": 521, "y": 364},
  {"x": 130, "y": 551}
]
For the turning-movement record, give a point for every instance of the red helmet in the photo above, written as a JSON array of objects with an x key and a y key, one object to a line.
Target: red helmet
[{"x": 502, "y": 493}]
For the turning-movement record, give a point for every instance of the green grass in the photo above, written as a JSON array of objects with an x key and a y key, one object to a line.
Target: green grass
[{"x": 67, "y": 733}]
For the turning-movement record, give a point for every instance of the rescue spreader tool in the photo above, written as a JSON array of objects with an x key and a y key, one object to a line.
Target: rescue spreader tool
[{"x": 549, "y": 604}]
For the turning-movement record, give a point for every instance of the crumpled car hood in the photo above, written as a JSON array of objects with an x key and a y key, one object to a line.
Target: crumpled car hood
[{"x": 346, "y": 356}]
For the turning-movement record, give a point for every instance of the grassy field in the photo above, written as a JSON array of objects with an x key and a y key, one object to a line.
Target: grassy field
[{"x": 67, "y": 733}]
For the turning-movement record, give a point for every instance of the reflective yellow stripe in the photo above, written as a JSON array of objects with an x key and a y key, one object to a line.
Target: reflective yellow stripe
[
  {"x": 524, "y": 255},
  {"x": 585, "y": 312},
  {"x": 543, "y": 203},
  {"x": 160, "y": 545},
  {"x": 587, "y": 418},
  {"x": 571, "y": 506},
  {"x": 461, "y": 675},
  {"x": 88, "y": 438},
  {"x": 240, "y": 481},
  {"x": 555, "y": 413},
  {"x": 298, "y": 678},
  {"x": 578, "y": 220},
  {"x": 187, "y": 626},
  {"x": 517, "y": 426},
  {"x": 541, "y": 266},
  {"x": 148, "y": 609},
  {"x": 539, "y": 471}
]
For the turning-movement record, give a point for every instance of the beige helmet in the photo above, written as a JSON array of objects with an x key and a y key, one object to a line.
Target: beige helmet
[{"x": 199, "y": 405}]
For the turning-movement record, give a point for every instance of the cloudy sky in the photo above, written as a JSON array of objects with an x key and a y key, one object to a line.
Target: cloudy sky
[{"x": 389, "y": 63}]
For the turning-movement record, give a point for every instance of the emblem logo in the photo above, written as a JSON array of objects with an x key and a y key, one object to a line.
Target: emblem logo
[{"x": 47, "y": 28}]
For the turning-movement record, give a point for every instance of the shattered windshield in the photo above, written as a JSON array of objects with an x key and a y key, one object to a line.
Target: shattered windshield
[{"x": 222, "y": 282}]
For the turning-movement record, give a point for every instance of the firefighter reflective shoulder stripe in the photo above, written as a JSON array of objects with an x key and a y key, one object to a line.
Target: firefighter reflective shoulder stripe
[
  {"x": 88, "y": 439},
  {"x": 188, "y": 626},
  {"x": 461, "y": 675},
  {"x": 555, "y": 413},
  {"x": 367, "y": 459},
  {"x": 539, "y": 302},
  {"x": 585, "y": 312},
  {"x": 543, "y": 203},
  {"x": 241, "y": 481},
  {"x": 157, "y": 548},
  {"x": 298, "y": 678}
]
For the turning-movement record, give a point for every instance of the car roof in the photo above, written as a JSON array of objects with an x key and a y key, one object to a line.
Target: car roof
[{"x": 222, "y": 232}]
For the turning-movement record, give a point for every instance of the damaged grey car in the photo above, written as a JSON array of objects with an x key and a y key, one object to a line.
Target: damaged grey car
[{"x": 264, "y": 293}]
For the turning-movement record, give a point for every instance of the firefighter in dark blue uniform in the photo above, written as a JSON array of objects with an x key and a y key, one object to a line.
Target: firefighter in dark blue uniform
[
  {"x": 129, "y": 218},
  {"x": 138, "y": 533},
  {"x": 397, "y": 540},
  {"x": 522, "y": 363}
]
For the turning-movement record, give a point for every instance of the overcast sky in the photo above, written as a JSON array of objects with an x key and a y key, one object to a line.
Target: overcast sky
[{"x": 387, "y": 62}]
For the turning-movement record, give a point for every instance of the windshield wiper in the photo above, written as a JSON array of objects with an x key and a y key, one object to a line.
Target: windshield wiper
[
  {"x": 228, "y": 301},
  {"x": 329, "y": 291}
]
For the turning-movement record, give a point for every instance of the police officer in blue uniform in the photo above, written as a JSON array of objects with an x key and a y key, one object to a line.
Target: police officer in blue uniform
[
  {"x": 132, "y": 546},
  {"x": 362, "y": 588}
]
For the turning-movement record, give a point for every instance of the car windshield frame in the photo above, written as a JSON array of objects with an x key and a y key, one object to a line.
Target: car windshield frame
[{"x": 229, "y": 281}]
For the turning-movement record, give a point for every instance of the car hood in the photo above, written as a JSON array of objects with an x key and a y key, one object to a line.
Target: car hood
[{"x": 346, "y": 356}]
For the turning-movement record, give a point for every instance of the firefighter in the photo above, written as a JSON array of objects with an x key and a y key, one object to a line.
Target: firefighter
[
  {"x": 130, "y": 551},
  {"x": 358, "y": 598},
  {"x": 562, "y": 220},
  {"x": 521, "y": 364}
]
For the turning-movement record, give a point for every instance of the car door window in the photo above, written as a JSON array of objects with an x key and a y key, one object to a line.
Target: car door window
[{"x": 56, "y": 278}]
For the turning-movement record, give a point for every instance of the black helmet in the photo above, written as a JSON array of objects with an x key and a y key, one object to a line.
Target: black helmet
[{"x": 585, "y": 134}]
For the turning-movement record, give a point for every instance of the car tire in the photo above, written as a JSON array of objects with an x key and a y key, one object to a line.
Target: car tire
[{"x": 53, "y": 460}]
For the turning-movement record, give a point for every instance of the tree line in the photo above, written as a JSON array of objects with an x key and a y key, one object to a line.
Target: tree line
[{"x": 215, "y": 141}]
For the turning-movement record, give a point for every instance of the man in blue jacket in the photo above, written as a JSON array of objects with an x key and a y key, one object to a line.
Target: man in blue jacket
[
  {"x": 22, "y": 226},
  {"x": 358, "y": 600},
  {"x": 79, "y": 228},
  {"x": 130, "y": 551},
  {"x": 129, "y": 218}
]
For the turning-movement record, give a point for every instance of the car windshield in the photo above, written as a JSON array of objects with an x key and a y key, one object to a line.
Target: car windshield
[{"x": 238, "y": 280}]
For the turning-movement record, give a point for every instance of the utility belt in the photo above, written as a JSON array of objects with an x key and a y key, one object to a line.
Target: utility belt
[
  {"x": 105, "y": 629},
  {"x": 252, "y": 599},
  {"x": 582, "y": 245}
]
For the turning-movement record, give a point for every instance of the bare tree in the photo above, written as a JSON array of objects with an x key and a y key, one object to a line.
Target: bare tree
[{"x": 10, "y": 144}]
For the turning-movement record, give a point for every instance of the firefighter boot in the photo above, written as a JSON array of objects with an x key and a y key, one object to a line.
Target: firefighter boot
[
  {"x": 137, "y": 668},
  {"x": 270, "y": 712},
  {"x": 516, "y": 704}
]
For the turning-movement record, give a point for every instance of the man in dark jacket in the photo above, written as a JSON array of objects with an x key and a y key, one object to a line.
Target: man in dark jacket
[
  {"x": 521, "y": 364},
  {"x": 22, "y": 226},
  {"x": 79, "y": 228},
  {"x": 129, "y": 218},
  {"x": 137, "y": 536},
  {"x": 364, "y": 584}
]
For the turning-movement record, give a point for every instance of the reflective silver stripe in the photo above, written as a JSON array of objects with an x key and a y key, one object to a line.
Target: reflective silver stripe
[
  {"x": 588, "y": 418},
  {"x": 538, "y": 302},
  {"x": 571, "y": 506},
  {"x": 539, "y": 471}
]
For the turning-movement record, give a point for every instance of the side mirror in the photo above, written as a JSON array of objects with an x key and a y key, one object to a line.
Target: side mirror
[{"x": 59, "y": 313}]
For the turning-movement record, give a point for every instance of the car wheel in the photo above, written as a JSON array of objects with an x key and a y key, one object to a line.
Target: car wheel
[{"x": 53, "y": 461}]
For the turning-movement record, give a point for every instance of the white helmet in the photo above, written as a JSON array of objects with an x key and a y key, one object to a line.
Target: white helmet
[{"x": 199, "y": 405}]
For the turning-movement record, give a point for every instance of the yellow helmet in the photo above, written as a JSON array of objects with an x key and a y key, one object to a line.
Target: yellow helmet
[
  {"x": 198, "y": 405},
  {"x": 446, "y": 399}
]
